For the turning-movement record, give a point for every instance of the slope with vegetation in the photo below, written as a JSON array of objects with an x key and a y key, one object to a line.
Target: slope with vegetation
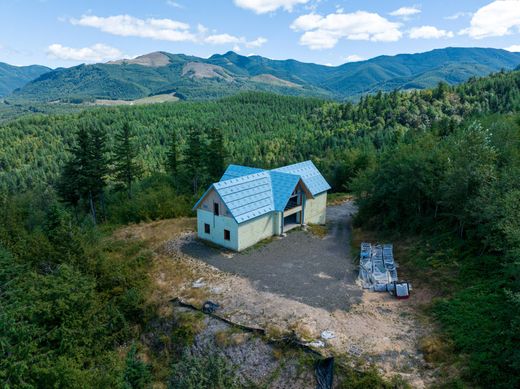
[
  {"x": 438, "y": 167},
  {"x": 222, "y": 75},
  {"x": 13, "y": 77}
]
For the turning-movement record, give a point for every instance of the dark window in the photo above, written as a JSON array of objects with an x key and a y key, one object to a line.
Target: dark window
[
  {"x": 206, "y": 228},
  {"x": 215, "y": 209},
  {"x": 227, "y": 235}
]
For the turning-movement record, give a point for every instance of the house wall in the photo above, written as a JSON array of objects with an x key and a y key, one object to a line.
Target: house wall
[
  {"x": 217, "y": 226},
  {"x": 257, "y": 229},
  {"x": 316, "y": 209},
  {"x": 211, "y": 198}
]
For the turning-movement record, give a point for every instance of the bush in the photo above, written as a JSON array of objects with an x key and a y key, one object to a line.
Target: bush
[
  {"x": 153, "y": 198},
  {"x": 209, "y": 371},
  {"x": 137, "y": 373}
]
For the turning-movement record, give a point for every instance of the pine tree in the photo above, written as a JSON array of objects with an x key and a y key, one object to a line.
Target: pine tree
[
  {"x": 126, "y": 169},
  {"x": 194, "y": 158},
  {"x": 215, "y": 155},
  {"x": 83, "y": 176},
  {"x": 172, "y": 157}
]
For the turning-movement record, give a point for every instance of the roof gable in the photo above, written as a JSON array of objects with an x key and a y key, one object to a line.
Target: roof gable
[
  {"x": 248, "y": 196},
  {"x": 283, "y": 187},
  {"x": 310, "y": 175},
  {"x": 251, "y": 192},
  {"x": 235, "y": 171}
]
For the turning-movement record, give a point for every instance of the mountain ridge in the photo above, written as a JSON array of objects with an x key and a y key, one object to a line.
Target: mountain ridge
[
  {"x": 13, "y": 77},
  {"x": 191, "y": 77}
]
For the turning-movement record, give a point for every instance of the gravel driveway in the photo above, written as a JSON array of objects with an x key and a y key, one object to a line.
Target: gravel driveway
[{"x": 318, "y": 272}]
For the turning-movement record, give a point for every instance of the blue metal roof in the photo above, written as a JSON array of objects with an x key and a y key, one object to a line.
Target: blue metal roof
[
  {"x": 248, "y": 196},
  {"x": 234, "y": 171},
  {"x": 251, "y": 192},
  {"x": 283, "y": 187},
  {"x": 310, "y": 175}
]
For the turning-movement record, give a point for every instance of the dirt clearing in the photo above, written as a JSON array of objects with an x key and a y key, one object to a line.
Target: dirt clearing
[{"x": 371, "y": 326}]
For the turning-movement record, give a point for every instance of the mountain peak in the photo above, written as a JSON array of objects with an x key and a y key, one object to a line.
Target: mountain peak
[{"x": 155, "y": 60}]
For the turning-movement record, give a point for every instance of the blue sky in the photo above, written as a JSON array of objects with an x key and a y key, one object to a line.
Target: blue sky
[{"x": 65, "y": 33}]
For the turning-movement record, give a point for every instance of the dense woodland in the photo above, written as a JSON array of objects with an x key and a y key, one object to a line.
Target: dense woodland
[{"x": 439, "y": 167}]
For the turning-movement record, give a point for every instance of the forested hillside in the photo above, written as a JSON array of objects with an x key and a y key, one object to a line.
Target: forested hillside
[
  {"x": 223, "y": 75},
  {"x": 13, "y": 77},
  {"x": 259, "y": 129},
  {"x": 437, "y": 169}
]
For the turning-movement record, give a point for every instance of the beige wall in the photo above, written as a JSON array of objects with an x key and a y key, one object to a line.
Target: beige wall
[
  {"x": 213, "y": 197},
  {"x": 316, "y": 209},
  {"x": 257, "y": 229}
]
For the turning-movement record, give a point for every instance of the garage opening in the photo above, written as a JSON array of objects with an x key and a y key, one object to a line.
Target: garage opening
[{"x": 291, "y": 221}]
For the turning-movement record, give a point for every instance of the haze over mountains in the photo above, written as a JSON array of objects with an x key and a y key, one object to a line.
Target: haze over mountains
[{"x": 190, "y": 77}]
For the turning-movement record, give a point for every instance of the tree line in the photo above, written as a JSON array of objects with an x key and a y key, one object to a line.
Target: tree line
[{"x": 93, "y": 168}]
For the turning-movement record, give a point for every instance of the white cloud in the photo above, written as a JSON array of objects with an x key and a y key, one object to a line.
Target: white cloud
[
  {"x": 324, "y": 32},
  {"x": 258, "y": 42},
  {"x": 429, "y": 32},
  {"x": 95, "y": 53},
  {"x": 498, "y": 18},
  {"x": 162, "y": 29},
  {"x": 222, "y": 39},
  {"x": 354, "y": 58},
  {"x": 458, "y": 15},
  {"x": 264, "y": 6},
  {"x": 513, "y": 48},
  {"x": 126, "y": 25},
  {"x": 174, "y": 4},
  {"x": 406, "y": 12}
]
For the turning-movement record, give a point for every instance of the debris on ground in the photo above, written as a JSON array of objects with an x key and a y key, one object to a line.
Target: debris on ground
[
  {"x": 316, "y": 344},
  {"x": 327, "y": 335},
  {"x": 198, "y": 283},
  {"x": 355, "y": 350},
  {"x": 209, "y": 307},
  {"x": 325, "y": 373}
]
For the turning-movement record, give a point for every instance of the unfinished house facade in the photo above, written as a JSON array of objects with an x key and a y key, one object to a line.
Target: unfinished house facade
[{"x": 248, "y": 204}]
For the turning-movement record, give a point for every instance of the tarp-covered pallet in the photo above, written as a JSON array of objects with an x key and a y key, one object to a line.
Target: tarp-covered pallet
[{"x": 378, "y": 271}]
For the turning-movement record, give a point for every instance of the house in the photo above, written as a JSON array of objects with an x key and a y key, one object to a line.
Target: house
[{"x": 250, "y": 204}]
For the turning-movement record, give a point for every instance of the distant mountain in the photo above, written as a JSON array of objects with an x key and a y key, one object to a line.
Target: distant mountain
[
  {"x": 13, "y": 77},
  {"x": 220, "y": 75}
]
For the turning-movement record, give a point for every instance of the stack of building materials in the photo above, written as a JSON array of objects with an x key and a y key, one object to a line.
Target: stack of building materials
[{"x": 377, "y": 270}]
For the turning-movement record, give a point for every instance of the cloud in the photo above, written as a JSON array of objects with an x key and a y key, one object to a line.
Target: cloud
[
  {"x": 498, "y": 18},
  {"x": 161, "y": 29},
  {"x": 513, "y": 48},
  {"x": 324, "y": 32},
  {"x": 265, "y": 6},
  {"x": 126, "y": 25},
  {"x": 222, "y": 39},
  {"x": 406, "y": 12},
  {"x": 354, "y": 58},
  {"x": 258, "y": 42},
  {"x": 95, "y": 53},
  {"x": 174, "y": 4},
  {"x": 429, "y": 32},
  {"x": 458, "y": 15}
]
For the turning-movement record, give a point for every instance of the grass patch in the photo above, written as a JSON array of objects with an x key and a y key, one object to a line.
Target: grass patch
[
  {"x": 231, "y": 337},
  {"x": 356, "y": 374},
  {"x": 337, "y": 198},
  {"x": 186, "y": 326},
  {"x": 208, "y": 371},
  {"x": 318, "y": 230}
]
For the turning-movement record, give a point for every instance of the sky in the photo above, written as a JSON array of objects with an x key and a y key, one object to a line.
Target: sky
[{"x": 69, "y": 32}]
